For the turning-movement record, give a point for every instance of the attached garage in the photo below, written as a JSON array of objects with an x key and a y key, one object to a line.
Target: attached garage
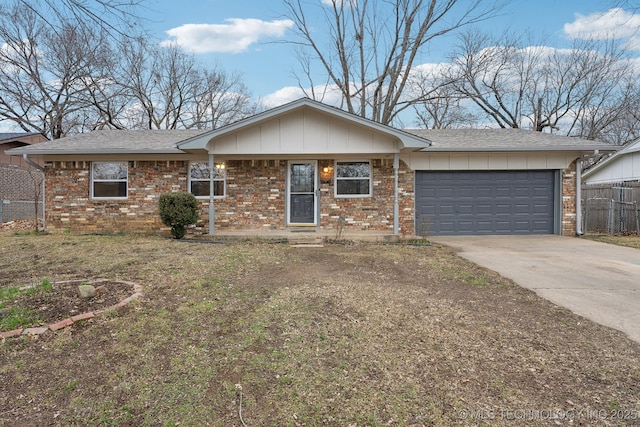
[
  {"x": 486, "y": 202},
  {"x": 406, "y": 182}
]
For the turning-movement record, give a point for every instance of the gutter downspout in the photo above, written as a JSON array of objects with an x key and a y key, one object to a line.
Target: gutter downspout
[
  {"x": 579, "y": 231},
  {"x": 396, "y": 166},
  {"x": 211, "y": 210},
  {"x": 26, "y": 158}
]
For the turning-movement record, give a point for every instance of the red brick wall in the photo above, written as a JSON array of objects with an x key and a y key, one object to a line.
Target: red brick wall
[
  {"x": 69, "y": 206},
  {"x": 370, "y": 213},
  {"x": 569, "y": 200},
  {"x": 255, "y": 198}
]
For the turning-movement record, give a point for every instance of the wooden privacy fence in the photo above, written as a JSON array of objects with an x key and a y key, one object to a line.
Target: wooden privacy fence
[{"x": 611, "y": 208}]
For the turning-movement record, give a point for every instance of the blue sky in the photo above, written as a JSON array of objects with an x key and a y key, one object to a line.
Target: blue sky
[{"x": 241, "y": 35}]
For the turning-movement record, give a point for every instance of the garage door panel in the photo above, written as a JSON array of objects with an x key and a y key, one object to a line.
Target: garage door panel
[
  {"x": 484, "y": 209},
  {"x": 485, "y": 202}
]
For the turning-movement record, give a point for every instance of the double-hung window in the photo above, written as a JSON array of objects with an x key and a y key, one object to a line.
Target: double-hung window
[
  {"x": 109, "y": 180},
  {"x": 199, "y": 177},
  {"x": 353, "y": 179}
]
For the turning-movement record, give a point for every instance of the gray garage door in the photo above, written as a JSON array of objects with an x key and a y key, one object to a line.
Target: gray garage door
[{"x": 485, "y": 202}]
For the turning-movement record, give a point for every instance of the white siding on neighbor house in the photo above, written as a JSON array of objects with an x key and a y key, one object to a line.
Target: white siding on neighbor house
[
  {"x": 304, "y": 132},
  {"x": 488, "y": 161},
  {"x": 625, "y": 167}
]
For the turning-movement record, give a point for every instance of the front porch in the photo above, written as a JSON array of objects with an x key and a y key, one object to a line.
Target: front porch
[{"x": 295, "y": 234}]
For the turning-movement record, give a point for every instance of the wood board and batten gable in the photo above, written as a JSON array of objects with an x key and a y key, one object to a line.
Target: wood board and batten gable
[
  {"x": 306, "y": 133},
  {"x": 309, "y": 165}
]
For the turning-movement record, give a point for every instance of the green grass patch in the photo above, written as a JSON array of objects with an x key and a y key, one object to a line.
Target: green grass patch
[
  {"x": 13, "y": 317},
  {"x": 17, "y": 317}
]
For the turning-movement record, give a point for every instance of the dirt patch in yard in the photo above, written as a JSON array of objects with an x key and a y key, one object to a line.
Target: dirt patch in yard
[
  {"x": 347, "y": 334},
  {"x": 62, "y": 301}
]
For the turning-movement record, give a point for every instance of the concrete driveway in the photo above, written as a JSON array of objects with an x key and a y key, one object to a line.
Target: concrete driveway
[{"x": 596, "y": 280}]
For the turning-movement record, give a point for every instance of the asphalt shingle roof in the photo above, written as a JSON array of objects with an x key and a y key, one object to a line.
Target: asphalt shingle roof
[
  {"x": 503, "y": 140},
  {"x": 436, "y": 140},
  {"x": 10, "y": 136},
  {"x": 114, "y": 142}
]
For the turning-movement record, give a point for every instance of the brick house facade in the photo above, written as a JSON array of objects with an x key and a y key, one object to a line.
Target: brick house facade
[
  {"x": 255, "y": 199},
  {"x": 259, "y": 155}
]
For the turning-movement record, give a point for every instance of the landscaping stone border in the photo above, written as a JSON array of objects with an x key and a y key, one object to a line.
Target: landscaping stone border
[{"x": 137, "y": 293}]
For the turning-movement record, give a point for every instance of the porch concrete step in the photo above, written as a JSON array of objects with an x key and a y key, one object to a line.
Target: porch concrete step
[{"x": 306, "y": 242}]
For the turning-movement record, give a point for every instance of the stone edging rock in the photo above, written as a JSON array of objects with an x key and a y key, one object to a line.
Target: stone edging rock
[{"x": 137, "y": 293}]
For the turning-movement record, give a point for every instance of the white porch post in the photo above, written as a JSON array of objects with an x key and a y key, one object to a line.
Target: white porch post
[
  {"x": 211, "y": 210},
  {"x": 396, "y": 201}
]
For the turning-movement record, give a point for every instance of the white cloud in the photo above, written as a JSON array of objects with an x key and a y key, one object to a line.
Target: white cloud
[
  {"x": 615, "y": 23},
  {"x": 235, "y": 36},
  {"x": 328, "y": 94},
  {"x": 339, "y": 3},
  {"x": 282, "y": 96}
]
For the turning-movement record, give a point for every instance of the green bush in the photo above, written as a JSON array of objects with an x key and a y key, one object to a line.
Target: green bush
[{"x": 178, "y": 210}]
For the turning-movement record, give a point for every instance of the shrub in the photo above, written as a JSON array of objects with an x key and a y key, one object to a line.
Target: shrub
[{"x": 178, "y": 210}]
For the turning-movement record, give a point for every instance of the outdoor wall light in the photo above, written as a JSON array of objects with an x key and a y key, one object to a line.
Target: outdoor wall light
[
  {"x": 325, "y": 173},
  {"x": 220, "y": 166}
]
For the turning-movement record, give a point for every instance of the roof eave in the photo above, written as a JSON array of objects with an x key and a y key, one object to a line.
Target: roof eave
[
  {"x": 435, "y": 149},
  {"x": 632, "y": 147},
  {"x": 17, "y": 152}
]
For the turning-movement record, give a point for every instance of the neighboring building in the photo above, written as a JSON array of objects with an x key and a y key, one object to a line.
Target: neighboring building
[
  {"x": 622, "y": 166},
  {"x": 18, "y": 178},
  {"x": 9, "y": 141},
  {"x": 611, "y": 193},
  {"x": 306, "y": 165}
]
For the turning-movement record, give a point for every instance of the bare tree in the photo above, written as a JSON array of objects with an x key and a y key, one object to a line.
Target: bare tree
[
  {"x": 221, "y": 98},
  {"x": 117, "y": 18},
  {"x": 157, "y": 82},
  {"x": 545, "y": 89},
  {"x": 496, "y": 76},
  {"x": 167, "y": 88},
  {"x": 614, "y": 118},
  {"x": 373, "y": 46},
  {"x": 444, "y": 112},
  {"x": 42, "y": 71},
  {"x": 441, "y": 107}
]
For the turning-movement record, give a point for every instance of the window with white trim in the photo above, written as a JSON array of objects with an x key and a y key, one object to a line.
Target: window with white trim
[
  {"x": 109, "y": 180},
  {"x": 353, "y": 179},
  {"x": 199, "y": 175}
]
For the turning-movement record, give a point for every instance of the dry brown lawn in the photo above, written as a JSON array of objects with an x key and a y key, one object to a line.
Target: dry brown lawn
[{"x": 343, "y": 335}]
